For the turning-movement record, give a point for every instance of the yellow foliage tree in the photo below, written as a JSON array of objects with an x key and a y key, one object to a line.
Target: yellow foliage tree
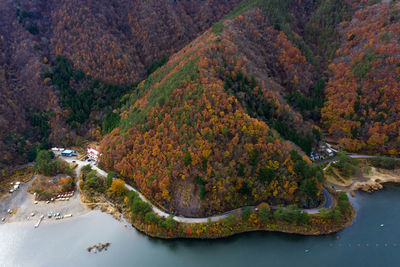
[{"x": 117, "y": 187}]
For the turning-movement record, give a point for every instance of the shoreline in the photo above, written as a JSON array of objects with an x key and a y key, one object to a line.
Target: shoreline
[
  {"x": 370, "y": 182},
  {"x": 121, "y": 212},
  {"x": 123, "y": 218},
  {"x": 376, "y": 179}
]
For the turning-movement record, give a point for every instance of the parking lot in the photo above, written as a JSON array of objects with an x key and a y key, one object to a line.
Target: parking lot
[{"x": 23, "y": 205}]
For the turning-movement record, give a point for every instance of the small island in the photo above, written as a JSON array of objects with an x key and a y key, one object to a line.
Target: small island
[{"x": 98, "y": 247}]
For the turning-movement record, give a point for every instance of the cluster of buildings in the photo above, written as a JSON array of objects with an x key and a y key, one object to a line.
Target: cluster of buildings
[
  {"x": 324, "y": 151},
  {"x": 93, "y": 154}
]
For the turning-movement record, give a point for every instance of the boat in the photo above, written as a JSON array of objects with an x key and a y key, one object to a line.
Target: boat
[{"x": 40, "y": 220}]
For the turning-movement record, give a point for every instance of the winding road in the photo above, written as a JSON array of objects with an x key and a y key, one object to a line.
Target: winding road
[
  {"x": 328, "y": 200},
  {"x": 327, "y": 203}
]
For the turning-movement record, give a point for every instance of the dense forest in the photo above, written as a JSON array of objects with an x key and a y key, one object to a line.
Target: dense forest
[
  {"x": 108, "y": 46},
  {"x": 204, "y": 134},
  {"x": 204, "y": 105},
  {"x": 362, "y": 107}
]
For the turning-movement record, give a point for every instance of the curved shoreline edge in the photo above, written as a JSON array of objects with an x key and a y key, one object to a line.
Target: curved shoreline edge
[{"x": 186, "y": 223}]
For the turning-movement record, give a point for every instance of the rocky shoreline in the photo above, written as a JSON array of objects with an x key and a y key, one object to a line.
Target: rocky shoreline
[{"x": 376, "y": 179}]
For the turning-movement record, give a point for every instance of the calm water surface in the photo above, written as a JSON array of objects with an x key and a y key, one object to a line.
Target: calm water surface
[{"x": 365, "y": 243}]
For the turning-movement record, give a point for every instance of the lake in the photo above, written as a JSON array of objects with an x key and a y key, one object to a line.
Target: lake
[{"x": 365, "y": 243}]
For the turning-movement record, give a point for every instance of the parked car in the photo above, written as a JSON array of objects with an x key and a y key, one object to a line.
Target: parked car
[
  {"x": 3, "y": 219},
  {"x": 11, "y": 191}
]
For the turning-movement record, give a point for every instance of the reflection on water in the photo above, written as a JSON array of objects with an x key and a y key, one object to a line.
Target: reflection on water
[{"x": 365, "y": 243}]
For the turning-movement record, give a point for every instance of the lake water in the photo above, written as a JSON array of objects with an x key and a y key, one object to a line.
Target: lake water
[{"x": 365, "y": 243}]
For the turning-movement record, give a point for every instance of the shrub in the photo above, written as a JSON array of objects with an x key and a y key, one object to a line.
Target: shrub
[
  {"x": 151, "y": 217},
  {"x": 94, "y": 183},
  {"x": 343, "y": 202},
  {"x": 110, "y": 177},
  {"x": 264, "y": 214},
  {"x": 325, "y": 214},
  {"x": 229, "y": 221},
  {"x": 169, "y": 223},
  {"x": 140, "y": 207},
  {"x": 45, "y": 164},
  {"x": 385, "y": 162},
  {"x": 246, "y": 212}
]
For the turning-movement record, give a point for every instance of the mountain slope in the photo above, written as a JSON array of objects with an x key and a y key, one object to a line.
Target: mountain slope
[
  {"x": 196, "y": 136},
  {"x": 363, "y": 105},
  {"x": 116, "y": 42},
  {"x": 23, "y": 98}
]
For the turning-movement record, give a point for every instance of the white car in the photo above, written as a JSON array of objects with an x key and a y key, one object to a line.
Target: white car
[
  {"x": 11, "y": 191},
  {"x": 32, "y": 214},
  {"x": 3, "y": 219}
]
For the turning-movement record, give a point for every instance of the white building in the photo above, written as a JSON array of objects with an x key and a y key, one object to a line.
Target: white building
[
  {"x": 68, "y": 153},
  {"x": 93, "y": 154}
]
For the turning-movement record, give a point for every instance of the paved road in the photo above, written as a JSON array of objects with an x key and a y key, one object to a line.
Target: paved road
[
  {"x": 18, "y": 197},
  {"x": 327, "y": 204},
  {"x": 354, "y": 156}
]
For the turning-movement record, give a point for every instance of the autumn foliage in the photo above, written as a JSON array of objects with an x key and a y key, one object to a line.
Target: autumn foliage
[
  {"x": 363, "y": 104},
  {"x": 191, "y": 146},
  {"x": 117, "y": 187}
]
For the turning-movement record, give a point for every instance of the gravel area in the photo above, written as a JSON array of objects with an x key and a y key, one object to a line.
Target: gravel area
[{"x": 23, "y": 205}]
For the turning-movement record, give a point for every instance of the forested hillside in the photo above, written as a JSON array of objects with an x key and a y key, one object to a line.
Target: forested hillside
[
  {"x": 206, "y": 132},
  {"x": 65, "y": 64},
  {"x": 117, "y": 41},
  {"x": 206, "y": 105},
  {"x": 362, "y": 107},
  {"x": 23, "y": 99}
]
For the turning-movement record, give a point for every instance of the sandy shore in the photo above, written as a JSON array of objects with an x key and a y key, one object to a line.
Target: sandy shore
[{"x": 375, "y": 179}]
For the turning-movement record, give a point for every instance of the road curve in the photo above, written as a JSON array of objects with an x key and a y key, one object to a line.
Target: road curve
[{"x": 327, "y": 203}]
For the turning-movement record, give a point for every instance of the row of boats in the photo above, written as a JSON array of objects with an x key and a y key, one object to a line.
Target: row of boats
[{"x": 57, "y": 216}]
